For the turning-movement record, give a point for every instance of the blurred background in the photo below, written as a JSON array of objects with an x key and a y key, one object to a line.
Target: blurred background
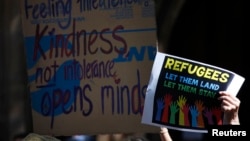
[
  {"x": 15, "y": 118},
  {"x": 209, "y": 31}
]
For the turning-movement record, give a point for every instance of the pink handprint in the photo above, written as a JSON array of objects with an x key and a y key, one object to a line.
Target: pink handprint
[
  {"x": 209, "y": 115},
  {"x": 218, "y": 115}
]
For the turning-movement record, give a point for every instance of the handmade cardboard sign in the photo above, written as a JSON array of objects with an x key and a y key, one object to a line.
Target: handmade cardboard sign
[
  {"x": 182, "y": 93},
  {"x": 88, "y": 64}
]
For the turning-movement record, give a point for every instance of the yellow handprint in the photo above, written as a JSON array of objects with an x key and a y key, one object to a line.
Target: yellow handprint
[{"x": 181, "y": 102}]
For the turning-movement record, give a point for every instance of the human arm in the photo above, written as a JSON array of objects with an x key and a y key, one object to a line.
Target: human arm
[
  {"x": 164, "y": 134},
  {"x": 230, "y": 106}
]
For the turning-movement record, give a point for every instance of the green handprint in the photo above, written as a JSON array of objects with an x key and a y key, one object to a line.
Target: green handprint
[{"x": 173, "y": 109}]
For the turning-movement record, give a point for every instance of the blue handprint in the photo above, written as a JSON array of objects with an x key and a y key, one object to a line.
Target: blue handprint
[
  {"x": 194, "y": 114},
  {"x": 160, "y": 106}
]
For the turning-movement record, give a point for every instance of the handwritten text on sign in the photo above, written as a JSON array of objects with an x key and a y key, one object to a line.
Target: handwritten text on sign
[{"x": 73, "y": 64}]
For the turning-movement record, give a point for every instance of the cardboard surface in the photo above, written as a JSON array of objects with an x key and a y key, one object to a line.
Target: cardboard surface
[{"x": 88, "y": 64}]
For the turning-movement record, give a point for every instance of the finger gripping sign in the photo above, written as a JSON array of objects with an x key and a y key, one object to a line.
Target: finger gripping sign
[
  {"x": 88, "y": 64},
  {"x": 182, "y": 94}
]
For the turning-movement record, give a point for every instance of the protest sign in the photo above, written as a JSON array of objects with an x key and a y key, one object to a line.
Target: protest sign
[
  {"x": 88, "y": 64},
  {"x": 182, "y": 93}
]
